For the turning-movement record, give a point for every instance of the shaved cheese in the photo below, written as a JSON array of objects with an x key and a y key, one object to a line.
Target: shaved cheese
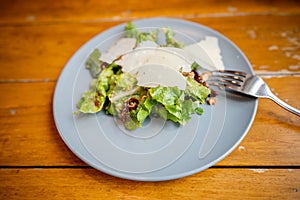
[
  {"x": 124, "y": 45},
  {"x": 159, "y": 56},
  {"x": 153, "y": 75},
  {"x": 206, "y": 53},
  {"x": 155, "y": 65}
]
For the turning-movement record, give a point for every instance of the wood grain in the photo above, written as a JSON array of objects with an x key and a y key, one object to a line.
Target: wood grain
[
  {"x": 91, "y": 184},
  {"x": 269, "y": 46},
  {"x": 30, "y": 12},
  {"x": 271, "y": 128},
  {"x": 37, "y": 38},
  {"x": 26, "y": 119}
]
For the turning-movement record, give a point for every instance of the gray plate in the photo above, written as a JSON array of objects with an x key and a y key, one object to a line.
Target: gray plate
[{"x": 160, "y": 150}]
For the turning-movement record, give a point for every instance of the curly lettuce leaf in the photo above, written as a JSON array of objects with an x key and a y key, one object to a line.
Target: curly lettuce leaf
[
  {"x": 166, "y": 95},
  {"x": 147, "y": 36},
  {"x": 195, "y": 66},
  {"x": 144, "y": 109},
  {"x": 196, "y": 91},
  {"x": 124, "y": 85},
  {"x": 175, "y": 103},
  {"x": 178, "y": 105},
  {"x": 93, "y": 63},
  {"x": 91, "y": 102},
  {"x": 132, "y": 32},
  {"x": 171, "y": 41},
  {"x": 133, "y": 119}
]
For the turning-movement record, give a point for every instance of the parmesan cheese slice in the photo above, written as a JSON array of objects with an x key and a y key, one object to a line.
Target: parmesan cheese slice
[
  {"x": 123, "y": 46},
  {"x": 158, "y": 56},
  {"x": 153, "y": 75},
  {"x": 206, "y": 53},
  {"x": 155, "y": 65}
]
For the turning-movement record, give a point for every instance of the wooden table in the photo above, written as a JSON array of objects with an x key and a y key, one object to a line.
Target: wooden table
[{"x": 38, "y": 37}]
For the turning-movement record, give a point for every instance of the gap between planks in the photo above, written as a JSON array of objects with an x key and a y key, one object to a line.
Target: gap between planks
[
  {"x": 212, "y": 167},
  {"x": 262, "y": 73},
  {"x": 122, "y": 18}
]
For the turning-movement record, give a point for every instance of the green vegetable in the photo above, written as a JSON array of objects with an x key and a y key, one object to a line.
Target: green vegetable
[
  {"x": 91, "y": 102},
  {"x": 132, "y": 32},
  {"x": 195, "y": 66},
  {"x": 196, "y": 91},
  {"x": 180, "y": 104},
  {"x": 145, "y": 108},
  {"x": 118, "y": 94},
  {"x": 93, "y": 63},
  {"x": 171, "y": 41},
  {"x": 147, "y": 36}
]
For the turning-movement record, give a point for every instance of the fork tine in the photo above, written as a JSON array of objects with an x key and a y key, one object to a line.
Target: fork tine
[
  {"x": 228, "y": 77},
  {"x": 224, "y": 82},
  {"x": 222, "y": 85},
  {"x": 231, "y": 72}
]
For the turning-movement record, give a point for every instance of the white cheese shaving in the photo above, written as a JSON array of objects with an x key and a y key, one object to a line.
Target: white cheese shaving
[
  {"x": 160, "y": 56},
  {"x": 153, "y": 75},
  {"x": 123, "y": 45},
  {"x": 155, "y": 65},
  {"x": 206, "y": 53}
]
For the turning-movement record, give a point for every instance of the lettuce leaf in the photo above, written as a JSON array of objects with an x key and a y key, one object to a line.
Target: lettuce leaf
[
  {"x": 144, "y": 109},
  {"x": 171, "y": 41},
  {"x": 132, "y": 32},
  {"x": 93, "y": 63},
  {"x": 178, "y": 104},
  {"x": 92, "y": 101},
  {"x": 196, "y": 91}
]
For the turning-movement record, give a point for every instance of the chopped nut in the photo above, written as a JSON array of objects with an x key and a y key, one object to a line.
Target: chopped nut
[
  {"x": 189, "y": 74},
  {"x": 205, "y": 75},
  {"x": 103, "y": 65},
  {"x": 132, "y": 104},
  {"x": 205, "y": 84},
  {"x": 202, "y": 78},
  {"x": 212, "y": 101},
  {"x": 142, "y": 98},
  {"x": 185, "y": 73}
]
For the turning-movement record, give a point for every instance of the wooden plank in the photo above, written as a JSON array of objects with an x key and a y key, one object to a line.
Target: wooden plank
[
  {"x": 32, "y": 11},
  {"x": 28, "y": 136},
  {"x": 269, "y": 46},
  {"x": 40, "y": 52},
  {"x": 271, "y": 129},
  {"x": 91, "y": 184}
]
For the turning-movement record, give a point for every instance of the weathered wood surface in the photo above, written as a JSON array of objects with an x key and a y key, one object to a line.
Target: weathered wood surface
[{"x": 38, "y": 37}]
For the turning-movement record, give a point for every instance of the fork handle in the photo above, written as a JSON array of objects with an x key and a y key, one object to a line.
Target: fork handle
[{"x": 283, "y": 104}]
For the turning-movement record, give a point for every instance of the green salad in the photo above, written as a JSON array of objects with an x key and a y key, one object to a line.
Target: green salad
[{"x": 117, "y": 93}]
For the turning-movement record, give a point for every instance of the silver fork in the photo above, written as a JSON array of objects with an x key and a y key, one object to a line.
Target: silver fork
[{"x": 246, "y": 84}]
